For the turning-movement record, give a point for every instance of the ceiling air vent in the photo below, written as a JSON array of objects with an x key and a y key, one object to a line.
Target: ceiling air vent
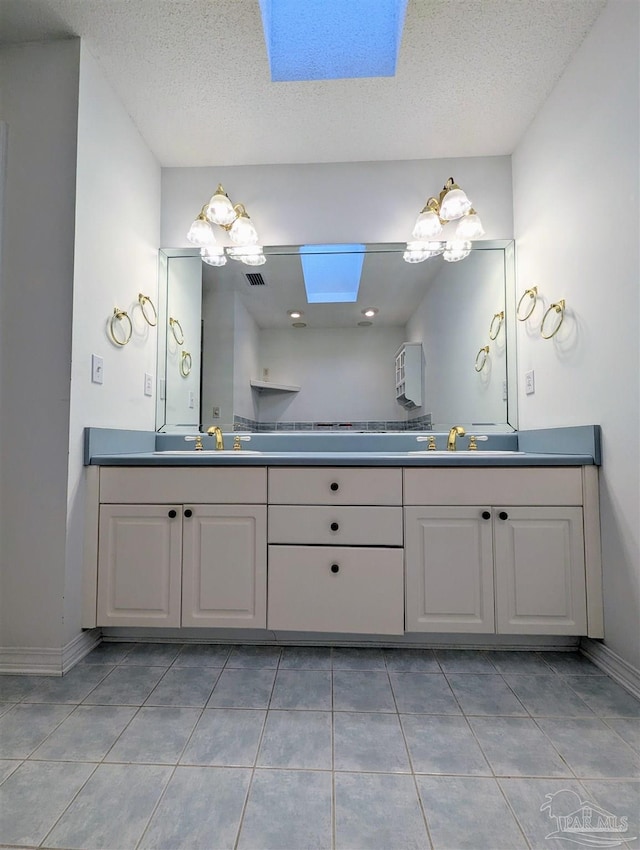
[{"x": 255, "y": 279}]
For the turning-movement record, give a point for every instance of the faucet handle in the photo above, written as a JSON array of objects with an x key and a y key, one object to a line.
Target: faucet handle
[{"x": 473, "y": 442}]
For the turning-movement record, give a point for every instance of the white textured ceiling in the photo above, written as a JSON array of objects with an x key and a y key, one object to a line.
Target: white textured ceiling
[{"x": 194, "y": 76}]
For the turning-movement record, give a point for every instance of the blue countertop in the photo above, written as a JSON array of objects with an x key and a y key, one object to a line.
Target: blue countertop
[
  {"x": 572, "y": 446},
  {"x": 339, "y": 459}
]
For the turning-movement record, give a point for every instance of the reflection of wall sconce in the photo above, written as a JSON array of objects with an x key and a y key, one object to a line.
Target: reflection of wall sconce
[
  {"x": 496, "y": 324},
  {"x": 452, "y": 204},
  {"x": 144, "y": 300},
  {"x": 526, "y": 307},
  {"x": 178, "y": 335},
  {"x": 481, "y": 358},
  {"x": 235, "y": 220},
  {"x": 551, "y": 328},
  {"x": 186, "y": 363},
  {"x": 120, "y": 319}
]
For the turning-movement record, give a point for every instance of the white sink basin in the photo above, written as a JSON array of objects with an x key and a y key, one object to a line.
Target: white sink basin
[
  {"x": 467, "y": 453},
  {"x": 200, "y": 452}
]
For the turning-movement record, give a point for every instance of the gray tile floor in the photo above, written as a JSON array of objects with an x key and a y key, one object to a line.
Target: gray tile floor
[{"x": 176, "y": 747}]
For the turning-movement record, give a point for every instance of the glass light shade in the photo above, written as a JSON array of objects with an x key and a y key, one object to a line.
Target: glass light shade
[
  {"x": 213, "y": 256},
  {"x": 200, "y": 233},
  {"x": 469, "y": 227},
  {"x": 220, "y": 209},
  {"x": 243, "y": 232},
  {"x": 456, "y": 251},
  {"x": 427, "y": 225},
  {"x": 417, "y": 252},
  {"x": 454, "y": 204},
  {"x": 250, "y": 255}
]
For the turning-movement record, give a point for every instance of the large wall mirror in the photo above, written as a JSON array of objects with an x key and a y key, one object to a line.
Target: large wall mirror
[{"x": 231, "y": 354}]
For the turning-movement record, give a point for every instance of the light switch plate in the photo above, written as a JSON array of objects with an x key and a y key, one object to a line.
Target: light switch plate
[
  {"x": 148, "y": 384},
  {"x": 215, "y": 412},
  {"x": 97, "y": 369},
  {"x": 529, "y": 382}
]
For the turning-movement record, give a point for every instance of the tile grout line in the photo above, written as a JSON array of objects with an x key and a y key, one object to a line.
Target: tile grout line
[{"x": 410, "y": 760}]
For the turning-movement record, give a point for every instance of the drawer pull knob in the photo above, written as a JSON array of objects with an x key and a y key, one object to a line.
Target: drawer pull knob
[
  {"x": 188, "y": 513},
  {"x": 335, "y": 486},
  {"x": 486, "y": 515},
  {"x": 335, "y": 568},
  {"x": 172, "y": 514},
  {"x": 503, "y": 515},
  {"x": 334, "y": 526}
]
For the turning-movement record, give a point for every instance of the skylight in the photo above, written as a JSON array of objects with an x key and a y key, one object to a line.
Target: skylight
[
  {"x": 332, "y": 39},
  {"x": 331, "y": 272}
]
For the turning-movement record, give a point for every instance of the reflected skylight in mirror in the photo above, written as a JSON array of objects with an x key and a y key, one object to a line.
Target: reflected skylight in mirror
[{"x": 332, "y": 272}]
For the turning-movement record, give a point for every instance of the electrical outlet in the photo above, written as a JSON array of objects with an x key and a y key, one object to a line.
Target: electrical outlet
[
  {"x": 148, "y": 384},
  {"x": 97, "y": 369},
  {"x": 216, "y": 413},
  {"x": 529, "y": 382},
  {"x": 192, "y": 399}
]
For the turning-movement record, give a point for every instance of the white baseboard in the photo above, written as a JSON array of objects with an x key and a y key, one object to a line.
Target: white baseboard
[
  {"x": 44, "y": 661},
  {"x": 606, "y": 659}
]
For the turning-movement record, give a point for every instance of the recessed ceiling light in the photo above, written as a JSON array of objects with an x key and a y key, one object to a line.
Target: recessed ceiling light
[
  {"x": 370, "y": 311},
  {"x": 364, "y": 324},
  {"x": 298, "y": 324},
  {"x": 294, "y": 314}
]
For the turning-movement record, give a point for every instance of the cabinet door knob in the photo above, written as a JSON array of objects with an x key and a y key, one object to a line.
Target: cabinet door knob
[
  {"x": 334, "y": 526},
  {"x": 334, "y": 486},
  {"x": 172, "y": 514},
  {"x": 188, "y": 512},
  {"x": 486, "y": 514},
  {"x": 335, "y": 568},
  {"x": 503, "y": 515}
]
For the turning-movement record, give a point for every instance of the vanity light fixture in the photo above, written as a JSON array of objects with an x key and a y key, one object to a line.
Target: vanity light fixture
[
  {"x": 235, "y": 220},
  {"x": 452, "y": 204}
]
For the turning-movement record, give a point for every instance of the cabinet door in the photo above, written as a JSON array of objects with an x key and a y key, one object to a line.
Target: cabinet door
[
  {"x": 449, "y": 569},
  {"x": 139, "y": 564},
  {"x": 540, "y": 577},
  {"x": 224, "y": 567}
]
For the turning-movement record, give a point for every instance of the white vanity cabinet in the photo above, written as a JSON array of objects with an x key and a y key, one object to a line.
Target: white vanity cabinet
[
  {"x": 335, "y": 550},
  {"x": 192, "y": 558},
  {"x": 512, "y": 563}
]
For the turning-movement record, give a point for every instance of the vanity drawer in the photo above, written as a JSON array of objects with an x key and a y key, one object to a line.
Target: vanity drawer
[
  {"x": 365, "y": 594},
  {"x": 493, "y": 486},
  {"x": 335, "y": 486},
  {"x": 179, "y": 485},
  {"x": 324, "y": 525}
]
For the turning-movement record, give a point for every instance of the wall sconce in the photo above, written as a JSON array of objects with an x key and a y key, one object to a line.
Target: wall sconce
[
  {"x": 235, "y": 220},
  {"x": 452, "y": 204}
]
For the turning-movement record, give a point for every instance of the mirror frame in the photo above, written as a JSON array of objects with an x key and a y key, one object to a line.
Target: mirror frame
[{"x": 506, "y": 245}]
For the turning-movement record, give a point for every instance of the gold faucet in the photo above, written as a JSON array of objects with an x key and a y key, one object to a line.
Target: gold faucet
[
  {"x": 456, "y": 431},
  {"x": 215, "y": 431}
]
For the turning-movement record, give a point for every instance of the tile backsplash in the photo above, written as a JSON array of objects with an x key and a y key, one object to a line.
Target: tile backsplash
[{"x": 418, "y": 423}]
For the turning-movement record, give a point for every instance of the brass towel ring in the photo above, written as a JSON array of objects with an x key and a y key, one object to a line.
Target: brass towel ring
[
  {"x": 119, "y": 316},
  {"x": 186, "y": 363},
  {"x": 532, "y": 294},
  {"x": 481, "y": 358},
  {"x": 144, "y": 300},
  {"x": 496, "y": 324},
  {"x": 559, "y": 310},
  {"x": 173, "y": 323}
]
